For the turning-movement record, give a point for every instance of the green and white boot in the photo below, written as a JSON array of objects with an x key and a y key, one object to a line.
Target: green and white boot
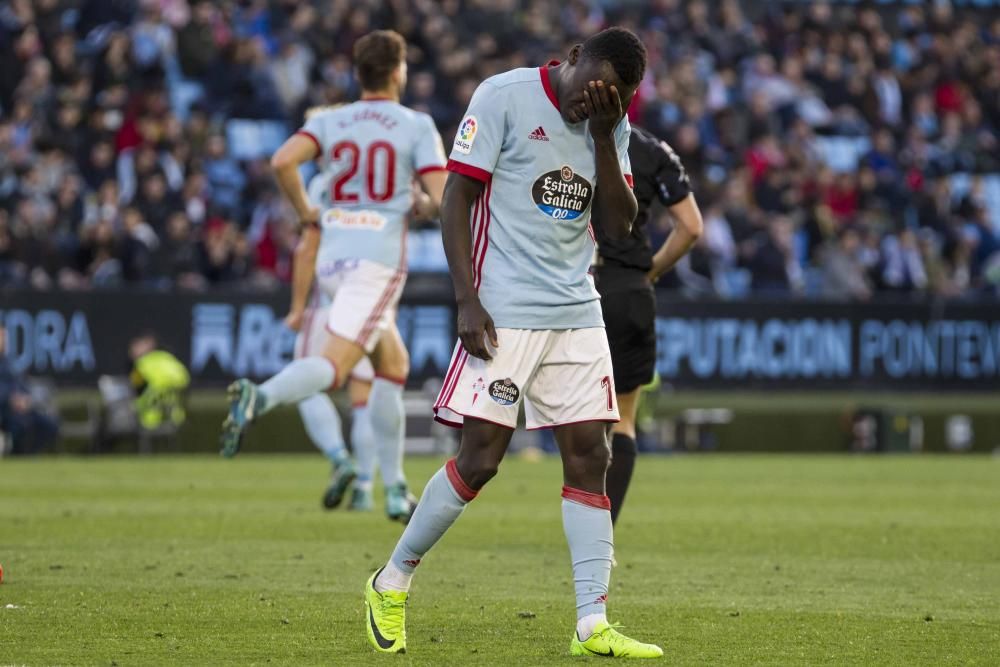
[{"x": 399, "y": 503}]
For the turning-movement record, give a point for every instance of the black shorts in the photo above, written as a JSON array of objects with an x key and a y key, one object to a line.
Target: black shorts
[{"x": 629, "y": 305}]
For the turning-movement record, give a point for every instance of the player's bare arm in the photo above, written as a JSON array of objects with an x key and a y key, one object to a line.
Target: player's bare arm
[
  {"x": 688, "y": 228},
  {"x": 285, "y": 162},
  {"x": 303, "y": 273},
  {"x": 430, "y": 194},
  {"x": 616, "y": 205},
  {"x": 474, "y": 323}
]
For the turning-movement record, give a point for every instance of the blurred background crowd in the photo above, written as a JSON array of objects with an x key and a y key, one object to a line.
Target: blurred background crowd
[{"x": 836, "y": 150}]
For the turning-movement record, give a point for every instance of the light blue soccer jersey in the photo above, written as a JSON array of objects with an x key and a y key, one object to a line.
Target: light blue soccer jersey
[
  {"x": 532, "y": 244},
  {"x": 369, "y": 154}
]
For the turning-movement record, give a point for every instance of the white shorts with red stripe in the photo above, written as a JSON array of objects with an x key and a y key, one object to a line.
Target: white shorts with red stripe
[
  {"x": 313, "y": 336},
  {"x": 562, "y": 377},
  {"x": 363, "y": 296}
]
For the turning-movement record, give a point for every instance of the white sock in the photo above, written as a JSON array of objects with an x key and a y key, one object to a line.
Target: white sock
[
  {"x": 585, "y": 626},
  {"x": 363, "y": 443},
  {"x": 391, "y": 578},
  {"x": 323, "y": 426},
  {"x": 442, "y": 502},
  {"x": 388, "y": 420},
  {"x": 298, "y": 380}
]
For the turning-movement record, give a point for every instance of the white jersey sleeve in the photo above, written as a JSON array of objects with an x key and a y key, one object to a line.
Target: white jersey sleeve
[
  {"x": 623, "y": 131},
  {"x": 480, "y": 134},
  {"x": 313, "y": 129},
  {"x": 428, "y": 152}
]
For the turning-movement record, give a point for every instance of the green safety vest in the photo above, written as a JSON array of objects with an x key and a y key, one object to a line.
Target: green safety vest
[{"x": 166, "y": 378}]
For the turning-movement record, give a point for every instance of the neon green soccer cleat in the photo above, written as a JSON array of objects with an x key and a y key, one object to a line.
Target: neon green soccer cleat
[
  {"x": 343, "y": 474},
  {"x": 243, "y": 398},
  {"x": 385, "y": 618},
  {"x": 607, "y": 642}
]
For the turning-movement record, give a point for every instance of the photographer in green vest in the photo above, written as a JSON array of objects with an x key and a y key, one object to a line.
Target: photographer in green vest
[{"x": 160, "y": 381}]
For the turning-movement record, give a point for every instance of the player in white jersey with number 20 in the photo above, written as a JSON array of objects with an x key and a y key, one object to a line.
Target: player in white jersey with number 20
[{"x": 372, "y": 151}]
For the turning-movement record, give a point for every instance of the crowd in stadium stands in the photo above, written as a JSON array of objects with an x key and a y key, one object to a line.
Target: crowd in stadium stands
[{"x": 836, "y": 150}]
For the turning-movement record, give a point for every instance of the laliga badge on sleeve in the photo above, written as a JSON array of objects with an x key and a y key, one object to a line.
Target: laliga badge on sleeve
[{"x": 466, "y": 135}]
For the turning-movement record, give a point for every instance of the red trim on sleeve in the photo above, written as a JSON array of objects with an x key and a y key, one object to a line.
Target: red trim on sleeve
[
  {"x": 310, "y": 135},
  {"x": 597, "y": 500},
  {"x": 388, "y": 378},
  {"x": 464, "y": 491},
  {"x": 468, "y": 170},
  {"x": 428, "y": 170},
  {"x": 543, "y": 73},
  {"x": 628, "y": 179}
]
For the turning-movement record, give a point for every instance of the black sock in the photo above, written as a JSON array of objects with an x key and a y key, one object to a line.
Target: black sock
[{"x": 620, "y": 472}]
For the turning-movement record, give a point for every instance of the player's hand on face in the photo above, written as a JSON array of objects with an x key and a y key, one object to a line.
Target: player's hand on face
[
  {"x": 474, "y": 325},
  {"x": 603, "y": 107},
  {"x": 293, "y": 320}
]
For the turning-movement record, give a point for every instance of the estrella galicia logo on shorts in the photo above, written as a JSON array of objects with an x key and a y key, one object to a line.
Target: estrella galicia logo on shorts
[
  {"x": 562, "y": 194},
  {"x": 504, "y": 392}
]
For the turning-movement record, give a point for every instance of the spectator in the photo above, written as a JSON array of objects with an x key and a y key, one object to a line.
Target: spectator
[
  {"x": 772, "y": 262},
  {"x": 844, "y": 275},
  {"x": 30, "y": 428},
  {"x": 903, "y": 268},
  {"x": 176, "y": 258},
  {"x": 196, "y": 45},
  {"x": 225, "y": 178}
]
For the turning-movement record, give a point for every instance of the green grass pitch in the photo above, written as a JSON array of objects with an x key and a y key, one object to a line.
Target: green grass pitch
[{"x": 722, "y": 559}]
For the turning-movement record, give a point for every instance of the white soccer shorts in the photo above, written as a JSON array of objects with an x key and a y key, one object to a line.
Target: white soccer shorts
[
  {"x": 363, "y": 296},
  {"x": 313, "y": 336},
  {"x": 563, "y": 377}
]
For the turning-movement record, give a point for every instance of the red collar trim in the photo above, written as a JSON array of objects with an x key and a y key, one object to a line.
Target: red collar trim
[
  {"x": 543, "y": 73},
  {"x": 376, "y": 99}
]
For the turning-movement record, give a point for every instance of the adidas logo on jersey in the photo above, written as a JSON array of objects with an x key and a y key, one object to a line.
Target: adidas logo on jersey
[{"x": 538, "y": 134}]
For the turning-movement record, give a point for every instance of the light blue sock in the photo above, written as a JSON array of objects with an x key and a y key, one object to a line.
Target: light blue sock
[
  {"x": 587, "y": 523},
  {"x": 297, "y": 381},
  {"x": 442, "y": 502},
  {"x": 363, "y": 443},
  {"x": 322, "y": 423},
  {"x": 388, "y": 420}
]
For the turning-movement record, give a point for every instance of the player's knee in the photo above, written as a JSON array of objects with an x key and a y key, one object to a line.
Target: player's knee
[
  {"x": 397, "y": 368},
  {"x": 477, "y": 468},
  {"x": 392, "y": 362},
  {"x": 584, "y": 462},
  {"x": 340, "y": 377}
]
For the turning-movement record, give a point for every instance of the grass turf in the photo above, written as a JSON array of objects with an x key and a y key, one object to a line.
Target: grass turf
[{"x": 723, "y": 559}]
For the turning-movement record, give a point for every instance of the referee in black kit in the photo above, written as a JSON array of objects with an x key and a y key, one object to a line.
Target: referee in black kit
[{"x": 625, "y": 273}]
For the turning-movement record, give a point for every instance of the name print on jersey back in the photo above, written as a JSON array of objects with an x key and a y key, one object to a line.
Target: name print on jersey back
[{"x": 370, "y": 153}]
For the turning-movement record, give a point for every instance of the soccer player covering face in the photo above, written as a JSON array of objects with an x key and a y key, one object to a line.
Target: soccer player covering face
[
  {"x": 626, "y": 270},
  {"x": 371, "y": 152},
  {"x": 537, "y": 150}
]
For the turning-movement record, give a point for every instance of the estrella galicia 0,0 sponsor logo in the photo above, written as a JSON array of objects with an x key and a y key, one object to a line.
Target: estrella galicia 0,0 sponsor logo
[
  {"x": 562, "y": 194},
  {"x": 504, "y": 392}
]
